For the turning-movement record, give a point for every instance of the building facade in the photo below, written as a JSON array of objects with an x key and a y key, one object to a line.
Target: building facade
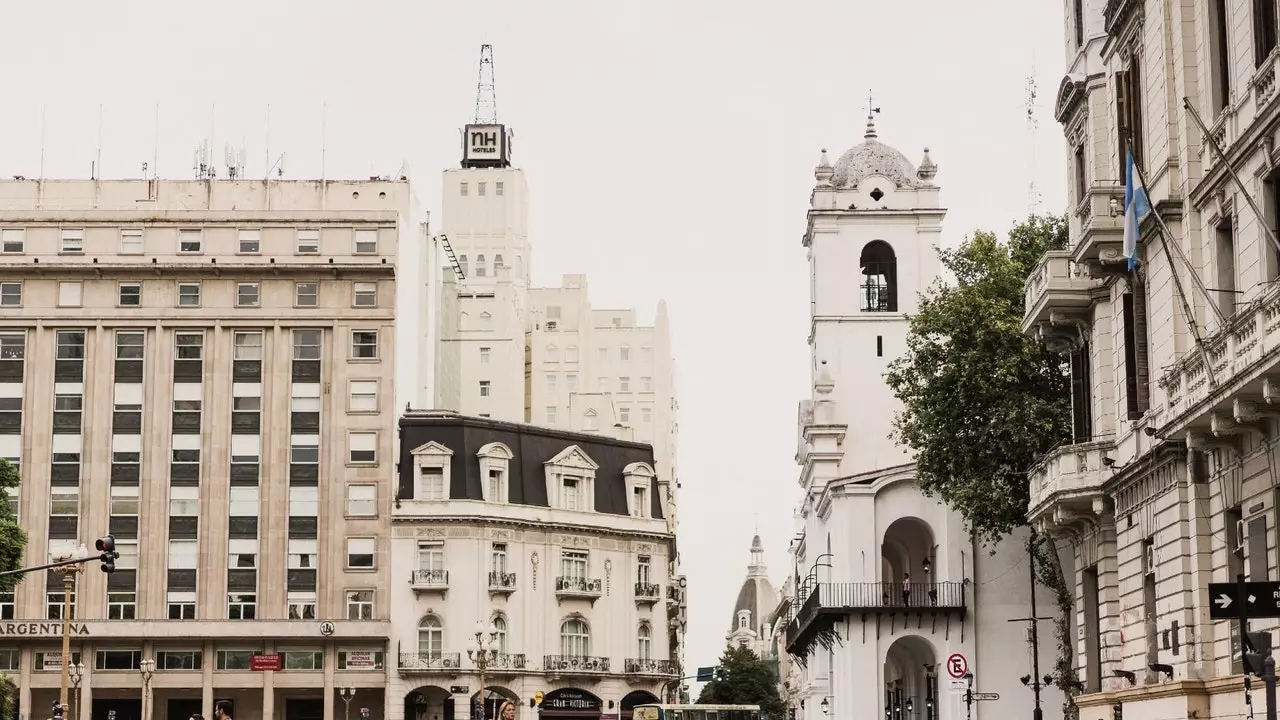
[
  {"x": 206, "y": 370},
  {"x": 753, "y": 612},
  {"x": 1168, "y": 483},
  {"x": 892, "y": 599},
  {"x": 552, "y": 545}
]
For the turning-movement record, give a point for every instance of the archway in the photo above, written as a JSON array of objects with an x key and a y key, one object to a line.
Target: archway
[
  {"x": 637, "y": 697},
  {"x": 878, "y": 266},
  {"x": 911, "y": 680},
  {"x": 494, "y": 696},
  {"x": 428, "y": 702},
  {"x": 907, "y": 563}
]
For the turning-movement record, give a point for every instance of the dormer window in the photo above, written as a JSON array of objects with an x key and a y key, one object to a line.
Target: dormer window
[
  {"x": 495, "y": 466},
  {"x": 639, "y": 478},
  {"x": 639, "y": 501},
  {"x": 571, "y": 478},
  {"x": 570, "y": 489},
  {"x": 431, "y": 465}
]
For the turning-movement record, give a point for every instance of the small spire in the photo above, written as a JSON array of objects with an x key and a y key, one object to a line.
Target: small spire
[
  {"x": 871, "y": 118},
  {"x": 928, "y": 169},
  {"x": 823, "y": 172}
]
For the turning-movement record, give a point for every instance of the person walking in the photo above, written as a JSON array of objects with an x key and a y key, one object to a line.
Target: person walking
[
  {"x": 222, "y": 710},
  {"x": 906, "y": 589}
]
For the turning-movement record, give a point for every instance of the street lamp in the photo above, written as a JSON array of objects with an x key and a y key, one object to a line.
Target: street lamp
[
  {"x": 347, "y": 694},
  {"x": 77, "y": 674},
  {"x": 69, "y": 573},
  {"x": 146, "y": 669},
  {"x": 483, "y": 651},
  {"x": 826, "y": 706}
]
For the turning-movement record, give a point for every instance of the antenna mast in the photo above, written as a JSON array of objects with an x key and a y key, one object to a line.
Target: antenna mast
[
  {"x": 486, "y": 93},
  {"x": 1033, "y": 194}
]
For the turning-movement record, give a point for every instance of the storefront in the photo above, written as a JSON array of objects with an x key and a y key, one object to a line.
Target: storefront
[{"x": 570, "y": 704}]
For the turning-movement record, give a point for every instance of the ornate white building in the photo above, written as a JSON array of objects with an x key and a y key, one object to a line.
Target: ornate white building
[
  {"x": 888, "y": 584},
  {"x": 753, "y": 611}
]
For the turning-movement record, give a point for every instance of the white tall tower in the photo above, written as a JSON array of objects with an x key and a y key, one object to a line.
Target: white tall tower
[{"x": 873, "y": 223}]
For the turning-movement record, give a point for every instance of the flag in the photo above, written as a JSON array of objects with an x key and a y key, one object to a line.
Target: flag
[{"x": 1136, "y": 206}]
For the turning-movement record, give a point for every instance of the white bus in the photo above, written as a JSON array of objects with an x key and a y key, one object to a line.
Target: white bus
[{"x": 696, "y": 712}]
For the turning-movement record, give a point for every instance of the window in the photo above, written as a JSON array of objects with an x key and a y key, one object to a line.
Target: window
[
  {"x": 302, "y": 553},
  {"x": 308, "y": 242},
  {"x": 69, "y": 294},
  {"x": 484, "y": 356},
  {"x": 124, "y": 499},
  {"x": 233, "y": 659},
  {"x": 243, "y": 502},
  {"x": 624, "y": 353},
  {"x": 570, "y": 493},
  {"x": 248, "y": 346},
  {"x": 1128, "y": 96},
  {"x": 182, "y": 606},
  {"x": 303, "y": 501},
  {"x": 183, "y": 555},
  {"x": 602, "y": 383},
  {"x": 646, "y": 354},
  {"x": 639, "y": 502},
  {"x": 359, "y": 604},
  {"x": 480, "y": 188},
  {"x": 362, "y": 396},
  {"x": 72, "y": 242},
  {"x": 624, "y": 414},
  {"x": 250, "y": 241},
  {"x": 117, "y": 659},
  {"x": 364, "y": 344},
  {"x": 463, "y": 189},
  {"x": 551, "y": 383},
  {"x": 644, "y": 642},
  {"x": 430, "y": 637},
  {"x": 366, "y": 242},
  {"x": 65, "y": 501},
  {"x": 366, "y": 294},
  {"x": 54, "y": 605},
  {"x": 179, "y": 659},
  {"x": 589, "y": 420},
  {"x": 302, "y": 605},
  {"x": 431, "y": 484},
  {"x": 497, "y": 486},
  {"x": 571, "y": 382},
  {"x": 189, "y": 294},
  {"x": 552, "y": 354},
  {"x": 360, "y": 552},
  {"x": 480, "y": 266},
  {"x": 130, "y": 294},
  {"x": 500, "y": 634},
  {"x": 306, "y": 294},
  {"x": 190, "y": 346},
  {"x": 306, "y": 344},
  {"x": 247, "y": 295},
  {"x": 462, "y": 259},
  {"x": 131, "y": 242},
  {"x": 1136, "y": 373},
  {"x": 1264, "y": 30},
  {"x": 362, "y": 448},
  {"x": 484, "y": 388},
  {"x": 242, "y": 553},
  {"x": 646, "y": 384},
  {"x": 1078, "y": 13},
  {"x": 498, "y": 559},
  {"x": 497, "y": 263},
  {"x": 242, "y": 606},
  {"x": 189, "y": 241},
  {"x": 644, "y": 570},
  {"x": 11, "y": 294},
  {"x": 1082, "y": 175},
  {"x": 362, "y": 500},
  {"x": 646, "y": 414},
  {"x": 575, "y": 638},
  {"x": 624, "y": 384},
  {"x": 498, "y": 188},
  {"x": 551, "y": 414},
  {"x": 431, "y": 561},
  {"x": 13, "y": 240}
]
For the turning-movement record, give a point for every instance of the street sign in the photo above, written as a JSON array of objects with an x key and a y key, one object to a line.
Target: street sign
[
  {"x": 959, "y": 687},
  {"x": 957, "y": 666},
  {"x": 705, "y": 674},
  {"x": 537, "y": 698},
  {"x": 1261, "y": 600},
  {"x": 986, "y": 696}
]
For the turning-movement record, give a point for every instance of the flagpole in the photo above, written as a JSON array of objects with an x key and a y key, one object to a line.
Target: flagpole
[{"x": 1262, "y": 218}]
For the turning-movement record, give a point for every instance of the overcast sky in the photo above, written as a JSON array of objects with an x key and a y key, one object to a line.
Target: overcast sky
[{"x": 669, "y": 147}]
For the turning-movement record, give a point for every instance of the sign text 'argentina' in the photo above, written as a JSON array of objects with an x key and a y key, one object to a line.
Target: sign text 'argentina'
[{"x": 41, "y": 628}]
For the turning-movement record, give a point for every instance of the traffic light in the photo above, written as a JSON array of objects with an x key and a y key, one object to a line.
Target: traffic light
[{"x": 107, "y": 552}]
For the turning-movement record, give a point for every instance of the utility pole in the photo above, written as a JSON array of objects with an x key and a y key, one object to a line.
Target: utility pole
[{"x": 1034, "y": 681}]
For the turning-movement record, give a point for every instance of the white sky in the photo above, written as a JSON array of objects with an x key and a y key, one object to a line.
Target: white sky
[{"x": 669, "y": 147}]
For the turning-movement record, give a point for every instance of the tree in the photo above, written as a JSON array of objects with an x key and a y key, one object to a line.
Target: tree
[
  {"x": 744, "y": 679},
  {"x": 13, "y": 544}
]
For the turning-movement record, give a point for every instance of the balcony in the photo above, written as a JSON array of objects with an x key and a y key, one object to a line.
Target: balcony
[
  {"x": 502, "y": 583},
  {"x": 647, "y": 593},
  {"x": 506, "y": 662},
  {"x": 1057, "y": 284},
  {"x": 428, "y": 662},
  {"x": 645, "y": 666},
  {"x": 1101, "y": 236},
  {"x": 814, "y": 624},
  {"x": 1066, "y": 481},
  {"x": 578, "y": 588},
  {"x": 429, "y": 581},
  {"x": 575, "y": 664}
]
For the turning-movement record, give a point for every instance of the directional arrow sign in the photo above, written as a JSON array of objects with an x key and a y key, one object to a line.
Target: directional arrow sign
[
  {"x": 986, "y": 696},
  {"x": 1261, "y": 600}
]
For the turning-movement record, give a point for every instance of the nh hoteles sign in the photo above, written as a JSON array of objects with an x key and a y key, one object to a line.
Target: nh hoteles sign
[{"x": 40, "y": 629}]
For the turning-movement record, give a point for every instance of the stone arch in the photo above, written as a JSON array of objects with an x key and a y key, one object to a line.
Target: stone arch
[
  {"x": 637, "y": 697},
  {"x": 496, "y": 451},
  {"x": 494, "y": 697},
  {"x": 427, "y": 702},
  {"x": 911, "y": 679},
  {"x": 906, "y": 561},
  {"x": 878, "y": 289}
]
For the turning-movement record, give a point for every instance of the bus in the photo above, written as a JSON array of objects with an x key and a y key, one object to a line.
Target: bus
[{"x": 696, "y": 712}]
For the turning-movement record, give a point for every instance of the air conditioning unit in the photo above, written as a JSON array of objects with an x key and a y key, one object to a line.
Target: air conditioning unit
[{"x": 1238, "y": 545}]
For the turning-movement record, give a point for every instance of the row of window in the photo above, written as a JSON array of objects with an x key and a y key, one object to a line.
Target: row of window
[
  {"x": 189, "y": 345},
  {"x": 590, "y": 419},
  {"x": 108, "y": 660},
  {"x": 184, "y": 501},
  {"x": 552, "y": 353},
  {"x": 189, "y": 294},
  {"x": 191, "y": 241},
  {"x": 571, "y": 492},
  {"x": 481, "y": 188},
  {"x": 574, "y": 564},
  {"x": 181, "y": 605},
  {"x": 602, "y": 382},
  {"x": 575, "y": 637}
]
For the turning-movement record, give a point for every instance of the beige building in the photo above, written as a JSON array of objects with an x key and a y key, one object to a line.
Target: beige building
[
  {"x": 1170, "y": 481},
  {"x": 206, "y": 369}
]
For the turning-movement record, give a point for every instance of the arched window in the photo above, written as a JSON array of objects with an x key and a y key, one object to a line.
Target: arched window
[
  {"x": 879, "y": 286},
  {"x": 462, "y": 263},
  {"x": 575, "y": 638},
  {"x": 500, "y": 630},
  {"x": 497, "y": 263},
  {"x": 486, "y": 322},
  {"x": 430, "y": 637},
  {"x": 571, "y": 353},
  {"x": 644, "y": 642},
  {"x": 553, "y": 354},
  {"x": 479, "y": 266}
]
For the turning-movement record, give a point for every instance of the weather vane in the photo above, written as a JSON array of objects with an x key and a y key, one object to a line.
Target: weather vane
[{"x": 871, "y": 108}]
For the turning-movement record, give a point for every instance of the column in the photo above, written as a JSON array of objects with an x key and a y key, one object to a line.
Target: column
[
  {"x": 206, "y": 682},
  {"x": 84, "y": 705},
  {"x": 330, "y": 663},
  {"x": 28, "y": 658},
  {"x": 268, "y": 694}
]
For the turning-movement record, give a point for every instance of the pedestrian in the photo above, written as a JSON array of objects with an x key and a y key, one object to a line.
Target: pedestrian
[
  {"x": 222, "y": 710},
  {"x": 196, "y": 716},
  {"x": 906, "y": 588},
  {"x": 507, "y": 711}
]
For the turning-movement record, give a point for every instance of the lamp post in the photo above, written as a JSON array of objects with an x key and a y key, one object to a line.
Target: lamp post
[
  {"x": 146, "y": 669},
  {"x": 826, "y": 706},
  {"x": 69, "y": 573},
  {"x": 347, "y": 694},
  {"x": 77, "y": 674},
  {"x": 483, "y": 650}
]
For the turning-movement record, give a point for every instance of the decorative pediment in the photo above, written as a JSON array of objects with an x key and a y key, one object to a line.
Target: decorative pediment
[
  {"x": 495, "y": 451},
  {"x": 639, "y": 469},
  {"x": 574, "y": 457},
  {"x": 432, "y": 448},
  {"x": 1071, "y": 94}
]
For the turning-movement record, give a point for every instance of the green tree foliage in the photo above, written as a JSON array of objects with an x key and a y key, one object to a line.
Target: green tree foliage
[
  {"x": 980, "y": 400},
  {"x": 13, "y": 542},
  {"x": 744, "y": 679}
]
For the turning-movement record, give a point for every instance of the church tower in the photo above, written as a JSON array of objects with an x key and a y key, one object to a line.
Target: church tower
[
  {"x": 755, "y": 605},
  {"x": 873, "y": 224}
]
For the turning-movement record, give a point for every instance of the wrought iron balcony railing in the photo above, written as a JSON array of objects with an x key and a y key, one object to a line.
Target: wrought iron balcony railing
[
  {"x": 576, "y": 663},
  {"x": 646, "y": 666},
  {"x": 430, "y": 661}
]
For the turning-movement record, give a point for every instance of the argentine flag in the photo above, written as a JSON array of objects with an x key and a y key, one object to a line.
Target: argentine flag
[{"x": 1136, "y": 205}]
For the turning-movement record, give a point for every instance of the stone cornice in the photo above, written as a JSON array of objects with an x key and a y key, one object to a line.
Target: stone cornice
[
  {"x": 1120, "y": 17},
  {"x": 515, "y": 524}
]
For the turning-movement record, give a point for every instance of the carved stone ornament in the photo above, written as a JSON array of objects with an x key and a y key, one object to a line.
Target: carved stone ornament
[{"x": 430, "y": 532}]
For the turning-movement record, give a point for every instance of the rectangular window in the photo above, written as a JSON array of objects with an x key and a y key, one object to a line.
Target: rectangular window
[
  {"x": 247, "y": 295},
  {"x": 484, "y": 388},
  {"x": 304, "y": 501},
  {"x": 189, "y": 241},
  {"x": 1137, "y": 385},
  {"x": 1079, "y": 21},
  {"x": 242, "y": 606},
  {"x": 65, "y": 501},
  {"x": 13, "y": 240},
  {"x": 551, "y": 383},
  {"x": 72, "y": 242},
  {"x": 128, "y": 549},
  {"x": 189, "y": 294},
  {"x": 190, "y": 346},
  {"x": 551, "y": 414},
  {"x": 570, "y": 497},
  {"x": 644, "y": 569},
  {"x": 69, "y": 294},
  {"x": 233, "y": 659},
  {"x": 366, "y": 294},
  {"x": 1219, "y": 56},
  {"x": 181, "y": 605},
  {"x": 70, "y": 344},
  {"x": 462, "y": 187},
  {"x": 1264, "y": 30},
  {"x": 359, "y": 604},
  {"x": 603, "y": 354},
  {"x": 122, "y": 605},
  {"x": 183, "y": 554},
  {"x": 646, "y": 384},
  {"x": 363, "y": 396},
  {"x": 302, "y": 554},
  {"x": 362, "y": 448},
  {"x": 306, "y": 294},
  {"x": 242, "y": 553},
  {"x": 624, "y": 384},
  {"x": 646, "y": 414},
  {"x": 431, "y": 484},
  {"x": 248, "y": 345},
  {"x": 11, "y": 294},
  {"x": 624, "y": 414},
  {"x": 131, "y": 242},
  {"x": 360, "y": 553},
  {"x": 573, "y": 564},
  {"x": 1224, "y": 260},
  {"x": 308, "y": 242},
  {"x": 1082, "y": 175},
  {"x": 484, "y": 356},
  {"x": 302, "y": 605},
  {"x": 130, "y": 294},
  {"x": 243, "y": 502},
  {"x": 480, "y": 188},
  {"x": 366, "y": 242},
  {"x": 124, "y": 500},
  {"x": 498, "y": 188},
  {"x": 54, "y": 605},
  {"x": 1081, "y": 395},
  {"x": 624, "y": 353},
  {"x": 362, "y": 500},
  {"x": 302, "y": 660},
  {"x": 117, "y": 659},
  {"x": 179, "y": 659},
  {"x": 250, "y": 241},
  {"x": 639, "y": 502},
  {"x": 306, "y": 344},
  {"x": 364, "y": 344}
]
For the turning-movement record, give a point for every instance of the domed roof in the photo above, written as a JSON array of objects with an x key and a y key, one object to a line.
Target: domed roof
[
  {"x": 757, "y": 595},
  {"x": 872, "y": 157}
]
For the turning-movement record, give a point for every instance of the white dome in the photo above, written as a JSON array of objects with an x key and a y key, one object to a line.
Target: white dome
[{"x": 872, "y": 157}]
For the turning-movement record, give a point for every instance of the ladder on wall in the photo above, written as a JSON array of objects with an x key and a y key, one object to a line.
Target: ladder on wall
[{"x": 453, "y": 259}]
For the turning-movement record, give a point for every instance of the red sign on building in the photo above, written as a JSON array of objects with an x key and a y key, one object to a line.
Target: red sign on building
[{"x": 264, "y": 662}]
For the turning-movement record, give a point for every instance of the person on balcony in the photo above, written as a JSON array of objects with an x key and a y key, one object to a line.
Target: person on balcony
[{"x": 906, "y": 588}]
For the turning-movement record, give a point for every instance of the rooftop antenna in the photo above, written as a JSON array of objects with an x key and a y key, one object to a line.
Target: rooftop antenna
[
  {"x": 235, "y": 160},
  {"x": 97, "y": 163},
  {"x": 1029, "y": 98},
  {"x": 486, "y": 92},
  {"x": 324, "y": 130},
  {"x": 43, "y": 128},
  {"x": 872, "y": 111},
  {"x": 266, "y": 147},
  {"x": 200, "y": 163},
  {"x": 155, "y": 146}
]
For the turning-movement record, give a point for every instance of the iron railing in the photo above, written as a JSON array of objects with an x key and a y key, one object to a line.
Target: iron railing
[
  {"x": 578, "y": 585},
  {"x": 575, "y": 663},
  {"x": 646, "y": 666},
  {"x": 506, "y": 661},
  {"x": 430, "y": 661},
  {"x": 503, "y": 580},
  {"x": 648, "y": 590},
  {"x": 429, "y": 578}
]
